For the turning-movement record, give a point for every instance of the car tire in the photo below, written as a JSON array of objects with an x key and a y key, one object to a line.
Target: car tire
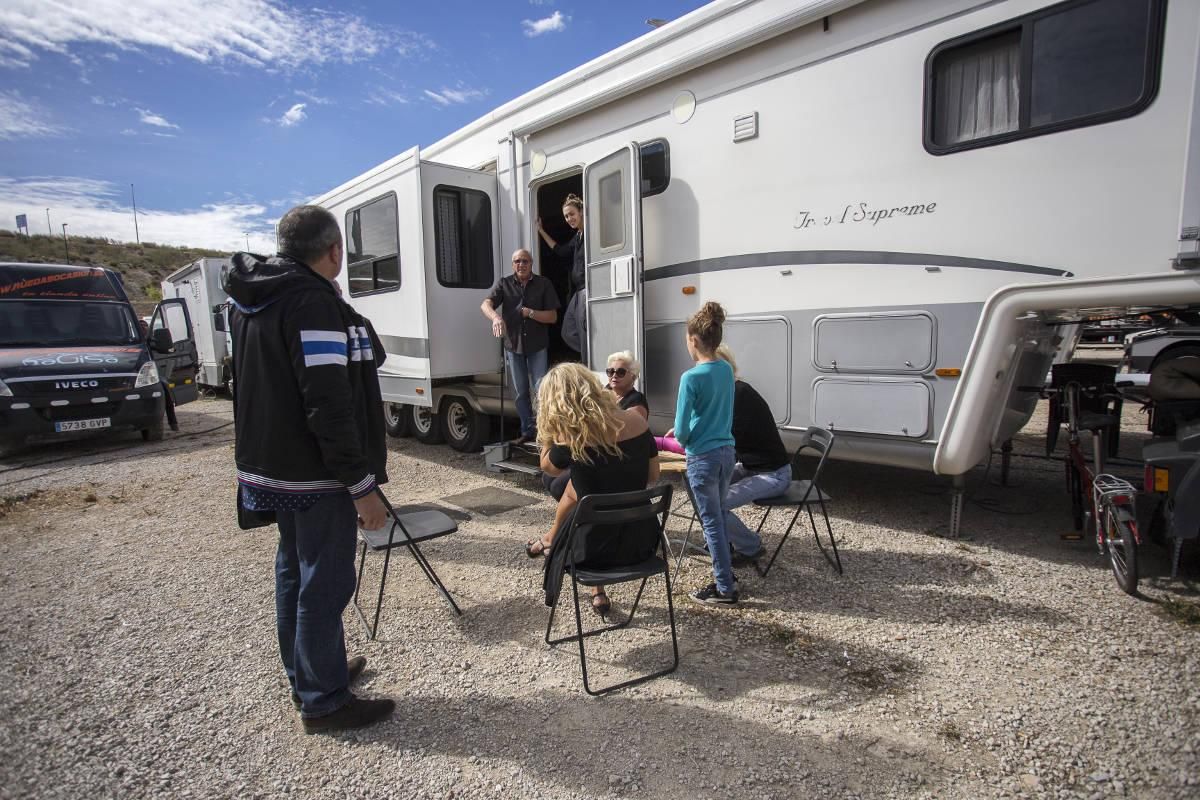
[
  {"x": 155, "y": 432},
  {"x": 425, "y": 425},
  {"x": 397, "y": 420},
  {"x": 463, "y": 428}
]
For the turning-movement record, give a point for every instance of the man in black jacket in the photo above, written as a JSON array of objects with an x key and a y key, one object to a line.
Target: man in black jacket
[{"x": 310, "y": 450}]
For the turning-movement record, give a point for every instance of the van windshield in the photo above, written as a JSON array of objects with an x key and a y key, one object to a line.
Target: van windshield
[{"x": 55, "y": 323}]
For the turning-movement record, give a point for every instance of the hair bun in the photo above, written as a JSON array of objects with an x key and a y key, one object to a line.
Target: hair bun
[{"x": 714, "y": 313}]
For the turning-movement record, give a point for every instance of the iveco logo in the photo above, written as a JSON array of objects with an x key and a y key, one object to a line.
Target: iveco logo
[{"x": 76, "y": 384}]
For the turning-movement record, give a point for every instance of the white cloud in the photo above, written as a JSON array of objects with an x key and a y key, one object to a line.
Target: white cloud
[
  {"x": 293, "y": 116},
  {"x": 148, "y": 117},
  {"x": 313, "y": 97},
  {"x": 261, "y": 33},
  {"x": 386, "y": 97},
  {"x": 551, "y": 24},
  {"x": 98, "y": 208},
  {"x": 447, "y": 97},
  {"x": 21, "y": 119}
]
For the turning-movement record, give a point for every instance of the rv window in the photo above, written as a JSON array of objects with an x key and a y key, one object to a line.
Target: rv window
[
  {"x": 463, "y": 238},
  {"x": 372, "y": 247},
  {"x": 1078, "y": 63},
  {"x": 612, "y": 210},
  {"x": 656, "y": 167}
]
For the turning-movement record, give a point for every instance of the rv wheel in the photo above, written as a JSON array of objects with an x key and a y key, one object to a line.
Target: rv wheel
[
  {"x": 396, "y": 419},
  {"x": 463, "y": 427},
  {"x": 425, "y": 425}
]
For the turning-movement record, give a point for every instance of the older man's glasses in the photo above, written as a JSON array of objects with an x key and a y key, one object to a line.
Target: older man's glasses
[
  {"x": 616, "y": 372},
  {"x": 522, "y": 261}
]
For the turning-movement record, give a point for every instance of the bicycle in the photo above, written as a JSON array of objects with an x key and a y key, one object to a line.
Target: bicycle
[{"x": 1109, "y": 499}]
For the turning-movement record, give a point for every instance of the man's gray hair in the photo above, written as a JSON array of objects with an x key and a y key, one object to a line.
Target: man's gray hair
[{"x": 306, "y": 232}]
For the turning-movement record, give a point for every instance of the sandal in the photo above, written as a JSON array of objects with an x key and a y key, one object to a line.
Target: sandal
[
  {"x": 535, "y": 549},
  {"x": 601, "y": 604}
]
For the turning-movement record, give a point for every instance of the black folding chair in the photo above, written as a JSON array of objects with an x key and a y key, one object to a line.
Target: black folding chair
[
  {"x": 405, "y": 530},
  {"x": 803, "y": 495},
  {"x": 607, "y": 510}
]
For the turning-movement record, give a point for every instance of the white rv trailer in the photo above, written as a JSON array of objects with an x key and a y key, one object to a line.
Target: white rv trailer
[
  {"x": 899, "y": 203},
  {"x": 199, "y": 285}
]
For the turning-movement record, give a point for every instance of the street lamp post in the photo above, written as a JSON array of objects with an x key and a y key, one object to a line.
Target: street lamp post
[
  {"x": 66, "y": 243},
  {"x": 247, "y": 235},
  {"x": 49, "y": 228}
]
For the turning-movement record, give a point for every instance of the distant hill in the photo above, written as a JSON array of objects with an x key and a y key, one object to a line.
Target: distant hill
[{"x": 142, "y": 266}]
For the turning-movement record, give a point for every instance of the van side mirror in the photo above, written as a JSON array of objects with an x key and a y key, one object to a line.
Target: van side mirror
[{"x": 161, "y": 341}]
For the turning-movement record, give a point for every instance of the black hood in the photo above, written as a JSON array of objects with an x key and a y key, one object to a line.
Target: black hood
[{"x": 254, "y": 282}]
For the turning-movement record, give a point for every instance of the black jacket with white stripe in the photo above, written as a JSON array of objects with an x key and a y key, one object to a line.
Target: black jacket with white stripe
[{"x": 307, "y": 408}]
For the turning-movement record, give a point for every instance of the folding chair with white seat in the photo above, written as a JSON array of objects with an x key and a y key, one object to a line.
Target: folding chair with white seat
[
  {"x": 803, "y": 495},
  {"x": 624, "y": 508},
  {"x": 405, "y": 530}
]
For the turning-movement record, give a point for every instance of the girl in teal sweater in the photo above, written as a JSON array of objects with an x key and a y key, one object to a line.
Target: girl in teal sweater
[{"x": 704, "y": 426}]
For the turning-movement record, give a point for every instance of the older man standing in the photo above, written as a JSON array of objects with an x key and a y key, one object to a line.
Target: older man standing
[
  {"x": 310, "y": 451},
  {"x": 522, "y": 307}
]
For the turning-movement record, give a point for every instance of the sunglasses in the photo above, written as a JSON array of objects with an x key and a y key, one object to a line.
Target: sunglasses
[{"x": 619, "y": 372}]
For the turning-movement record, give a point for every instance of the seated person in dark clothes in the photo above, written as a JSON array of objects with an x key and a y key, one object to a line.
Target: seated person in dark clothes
[
  {"x": 623, "y": 370},
  {"x": 762, "y": 469},
  {"x": 608, "y": 450}
]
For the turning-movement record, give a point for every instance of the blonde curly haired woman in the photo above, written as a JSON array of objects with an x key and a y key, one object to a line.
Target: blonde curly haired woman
[{"x": 608, "y": 450}]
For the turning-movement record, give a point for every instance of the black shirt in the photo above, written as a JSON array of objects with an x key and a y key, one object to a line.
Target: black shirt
[
  {"x": 633, "y": 399},
  {"x": 626, "y": 472},
  {"x": 508, "y": 296},
  {"x": 755, "y": 435},
  {"x": 573, "y": 247}
]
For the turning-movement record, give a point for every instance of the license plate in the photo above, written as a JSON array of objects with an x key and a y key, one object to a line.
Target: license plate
[{"x": 82, "y": 424}]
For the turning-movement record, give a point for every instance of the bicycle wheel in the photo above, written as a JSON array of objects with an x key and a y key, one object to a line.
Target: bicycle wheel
[{"x": 1121, "y": 543}]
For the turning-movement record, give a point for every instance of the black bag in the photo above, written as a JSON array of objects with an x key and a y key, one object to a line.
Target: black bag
[{"x": 248, "y": 519}]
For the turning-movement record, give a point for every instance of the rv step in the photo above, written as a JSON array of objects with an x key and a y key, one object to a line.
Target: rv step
[{"x": 515, "y": 466}]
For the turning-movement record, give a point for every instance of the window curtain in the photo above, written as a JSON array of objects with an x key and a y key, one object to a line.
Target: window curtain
[
  {"x": 450, "y": 263},
  {"x": 977, "y": 90}
]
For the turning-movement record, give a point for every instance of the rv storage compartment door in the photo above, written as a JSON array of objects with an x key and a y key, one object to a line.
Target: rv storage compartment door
[
  {"x": 888, "y": 406},
  {"x": 613, "y": 238},
  {"x": 459, "y": 226},
  {"x": 886, "y": 342}
]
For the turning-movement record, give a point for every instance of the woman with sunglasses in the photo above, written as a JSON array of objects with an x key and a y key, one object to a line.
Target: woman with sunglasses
[{"x": 623, "y": 370}]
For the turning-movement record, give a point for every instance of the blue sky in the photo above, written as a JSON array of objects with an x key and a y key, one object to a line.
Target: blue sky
[{"x": 224, "y": 113}]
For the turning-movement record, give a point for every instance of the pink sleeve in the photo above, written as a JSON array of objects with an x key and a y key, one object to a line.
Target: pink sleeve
[{"x": 669, "y": 444}]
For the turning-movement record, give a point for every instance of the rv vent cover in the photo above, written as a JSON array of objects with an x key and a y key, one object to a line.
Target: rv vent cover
[{"x": 745, "y": 127}]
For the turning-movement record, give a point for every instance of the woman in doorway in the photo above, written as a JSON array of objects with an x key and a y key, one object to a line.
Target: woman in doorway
[
  {"x": 607, "y": 450},
  {"x": 573, "y": 247}
]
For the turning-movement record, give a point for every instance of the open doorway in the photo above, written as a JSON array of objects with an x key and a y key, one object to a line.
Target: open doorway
[{"x": 548, "y": 203}]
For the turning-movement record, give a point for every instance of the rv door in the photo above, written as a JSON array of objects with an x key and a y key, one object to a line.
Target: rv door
[
  {"x": 613, "y": 239},
  {"x": 178, "y": 366}
]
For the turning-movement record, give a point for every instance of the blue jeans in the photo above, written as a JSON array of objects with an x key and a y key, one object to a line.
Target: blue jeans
[
  {"x": 708, "y": 476},
  {"x": 744, "y": 488},
  {"x": 314, "y": 580},
  {"x": 527, "y": 371}
]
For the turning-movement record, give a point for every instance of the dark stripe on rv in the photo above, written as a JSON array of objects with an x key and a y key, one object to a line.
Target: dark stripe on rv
[
  {"x": 792, "y": 258},
  {"x": 405, "y": 346}
]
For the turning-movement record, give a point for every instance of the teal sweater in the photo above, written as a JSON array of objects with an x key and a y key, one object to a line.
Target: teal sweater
[{"x": 704, "y": 410}]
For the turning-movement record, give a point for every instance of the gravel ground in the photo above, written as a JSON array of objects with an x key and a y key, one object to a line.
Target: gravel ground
[{"x": 139, "y": 649}]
